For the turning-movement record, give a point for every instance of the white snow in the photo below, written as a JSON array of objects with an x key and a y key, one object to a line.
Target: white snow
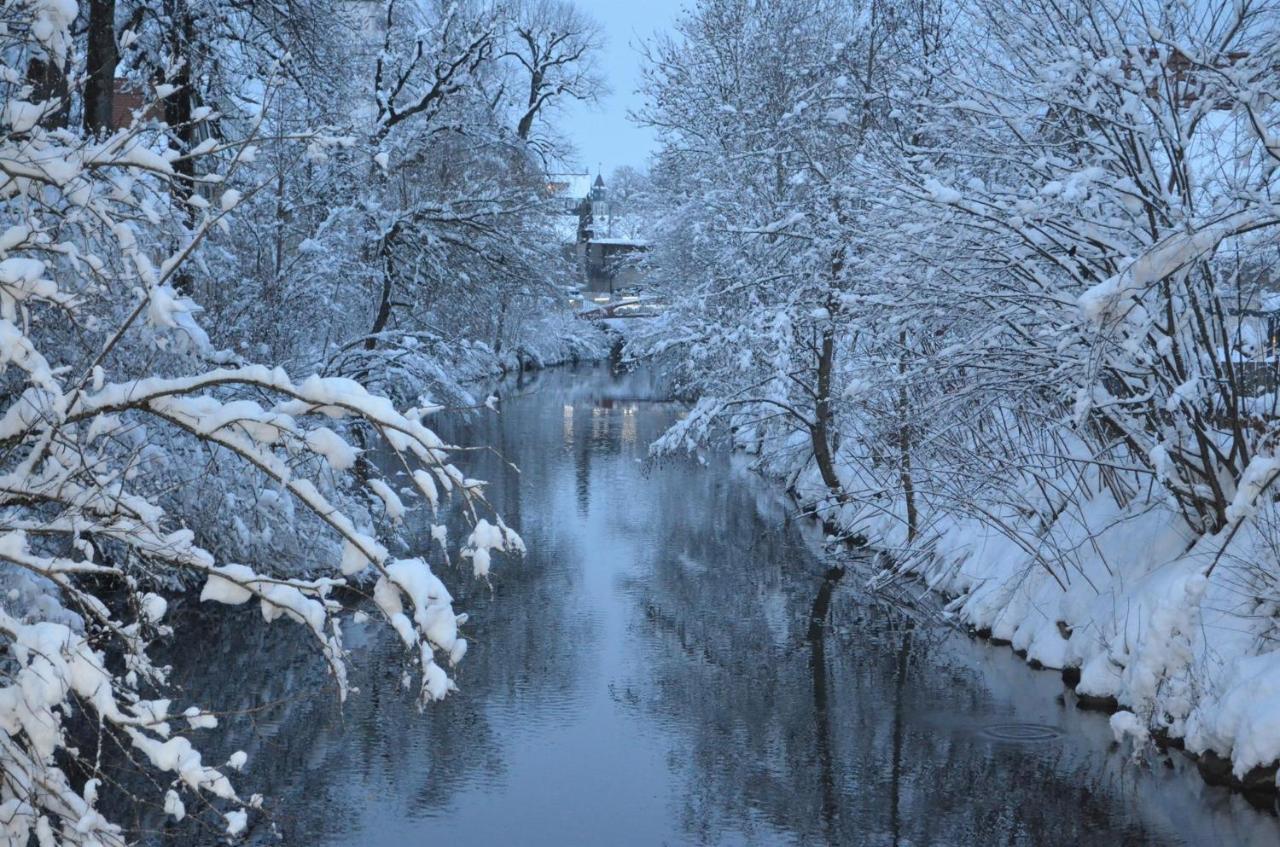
[
  {"x": 236, "y": 821},
  {"x": 1125, "y": 725},
  {"x": 1240, "y": 717},
  {"x": 338, "y": 453},
  {"x": 198, "y": 719},
  {"x": 173, "y": 805},
  {"x": 154, "y": 607},
  {"x": 226, "y": 584},
  {"x": 390, "y": 500}
]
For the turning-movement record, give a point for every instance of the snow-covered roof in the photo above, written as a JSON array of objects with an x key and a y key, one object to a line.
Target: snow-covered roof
[
  {"x": 632, "y": 242},
  {"x": 576, "y": 186}
]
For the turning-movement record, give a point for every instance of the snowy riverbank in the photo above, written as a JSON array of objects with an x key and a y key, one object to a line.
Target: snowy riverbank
[
  {"x": 428, "y": 368},
  {"x": 1174, "y": 632}
]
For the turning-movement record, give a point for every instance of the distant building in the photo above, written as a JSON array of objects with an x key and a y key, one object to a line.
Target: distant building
[
  {"x": 583, "y": 198},
  {"x": 612, "y": 265},
  {"x": 591, "y": 234}
]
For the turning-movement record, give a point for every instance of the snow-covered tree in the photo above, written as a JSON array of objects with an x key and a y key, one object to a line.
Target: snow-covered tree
[
  {"x": 1063, "y": 208},
  {"x": 765, "y": 108},
  {"x": 554, "y": 45},
  {"x": 1090, "y": 242},
  {"x": 117, "y": 400}
]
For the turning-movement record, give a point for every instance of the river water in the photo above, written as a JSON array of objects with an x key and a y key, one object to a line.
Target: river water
[{"x": 645, "y": 676}]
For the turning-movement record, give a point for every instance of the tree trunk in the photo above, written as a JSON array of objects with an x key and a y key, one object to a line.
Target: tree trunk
[
  {"x": 178, "y": 105},
  {"x": 384, "y": 311},
  {"x": 177, "y": 115},
  {"x": 904, "y": 442},
  {"x": 526, "y": 120},
  {"x": 383, "y": 257},
  {"x": 101, "y": 59},
  {"x": 820, "y": 432},
  {"x": 502, "y": 326},
  {"x": 818, "y": 666}
]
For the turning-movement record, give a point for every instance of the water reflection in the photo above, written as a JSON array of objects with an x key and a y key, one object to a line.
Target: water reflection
[{"x": 673, "y": 664}]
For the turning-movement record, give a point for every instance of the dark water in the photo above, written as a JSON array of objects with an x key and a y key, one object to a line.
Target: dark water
[{"x": 645, "y": 676}]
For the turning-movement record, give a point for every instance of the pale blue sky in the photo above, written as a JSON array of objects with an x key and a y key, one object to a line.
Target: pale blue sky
[{"x": 602, "y": 134}]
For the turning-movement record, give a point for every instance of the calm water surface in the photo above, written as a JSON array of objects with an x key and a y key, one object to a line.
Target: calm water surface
[{"x": 645, "y": 677}]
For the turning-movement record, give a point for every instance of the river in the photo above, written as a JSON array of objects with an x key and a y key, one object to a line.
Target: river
[{"x": 645, "y": 676}]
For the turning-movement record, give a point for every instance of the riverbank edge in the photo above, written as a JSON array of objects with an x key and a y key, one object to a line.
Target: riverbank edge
[
  {"x": 1259, "y": 785},
  {"x": 589, "y": 344}
]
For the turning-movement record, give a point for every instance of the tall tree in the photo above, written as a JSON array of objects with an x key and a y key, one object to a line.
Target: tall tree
[{"x": 554, "y": 44}]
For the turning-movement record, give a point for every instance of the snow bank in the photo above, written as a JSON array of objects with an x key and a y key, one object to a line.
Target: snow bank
[
  {"x": 1123, "y": 594},
  {"x": 1242, "y": 715},
  {"x": 431, "y": 370}
]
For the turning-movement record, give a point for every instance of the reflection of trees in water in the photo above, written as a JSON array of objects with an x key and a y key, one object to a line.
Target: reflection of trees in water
[
  {"x": 320, "y": 765},
  {"x": 725, "y": 661},
  {"x": 817, "y": 637},
  {"x": 830, "y": 738}
]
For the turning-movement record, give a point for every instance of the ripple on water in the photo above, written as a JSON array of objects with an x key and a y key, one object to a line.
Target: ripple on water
[{"x": 1021, "y": 732}]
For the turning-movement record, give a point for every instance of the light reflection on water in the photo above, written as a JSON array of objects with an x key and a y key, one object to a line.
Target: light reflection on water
[{"x": 644, "y": 677}]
